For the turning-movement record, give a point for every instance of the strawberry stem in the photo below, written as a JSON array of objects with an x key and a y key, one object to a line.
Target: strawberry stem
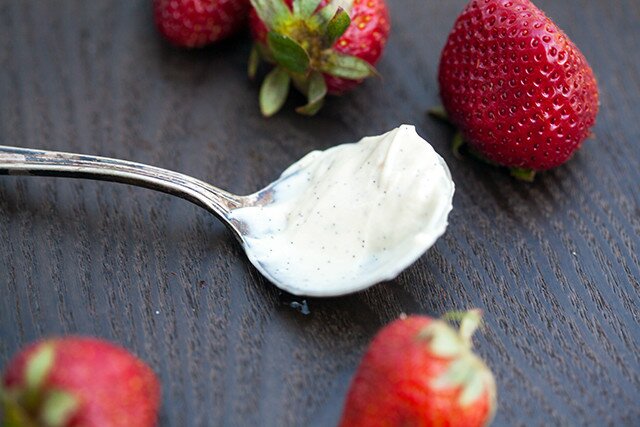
[
  {"x": 454, "y": 316},
  {"x": 469, "y": 321}
]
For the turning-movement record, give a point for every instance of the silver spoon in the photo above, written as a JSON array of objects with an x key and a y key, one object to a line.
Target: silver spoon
[
  {"x": 335, "y": 222},
  {"x": 25, "y": 161}
]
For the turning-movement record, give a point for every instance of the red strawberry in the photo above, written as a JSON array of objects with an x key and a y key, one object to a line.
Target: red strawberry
[
  {"x": 519, "y": 90},
  {"x": 421, "y": 372},
  {"x": 322, "y": 46},
  {"x": 79, "y": 382},
  {"x": 196, "y": 23}
]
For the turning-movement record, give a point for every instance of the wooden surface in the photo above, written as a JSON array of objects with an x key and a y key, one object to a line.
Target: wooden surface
[{"x": 555, "y": 264}]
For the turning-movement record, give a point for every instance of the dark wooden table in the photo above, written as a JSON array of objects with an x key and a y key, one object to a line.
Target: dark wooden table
[{"x": 554, "y": 264}]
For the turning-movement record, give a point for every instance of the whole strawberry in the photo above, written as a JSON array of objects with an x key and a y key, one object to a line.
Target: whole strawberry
[
  {"x": 79, "y": 382},
  {"x": 321, "y": 46},
  {"x": 519, "y": 90},
  {"x": 197, "y": 23},
  {"x": 421, "y": 372}
]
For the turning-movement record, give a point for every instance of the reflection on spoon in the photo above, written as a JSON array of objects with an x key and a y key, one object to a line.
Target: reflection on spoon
[{"x": 335, "y": 222}]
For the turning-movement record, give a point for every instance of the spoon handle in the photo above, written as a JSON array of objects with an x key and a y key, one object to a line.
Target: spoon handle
[{"x": 24, "y": 161}]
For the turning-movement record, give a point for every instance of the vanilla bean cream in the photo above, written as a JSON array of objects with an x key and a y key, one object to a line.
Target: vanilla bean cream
[{"x": 343, "y": 219}]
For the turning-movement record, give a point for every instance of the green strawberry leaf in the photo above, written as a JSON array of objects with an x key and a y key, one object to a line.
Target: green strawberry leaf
[
  {"x": 38, "y": 366},
  {"x": 442, "y": 339},
  {"x": 263, "y": 51},
  {"x": 474, "y": 386},
  {"x": 274, "y": 91},
  {"x": 288, "y": 53},
  {"x": 328, "y": 11},
  {"x": 459, "y": 372},
  {"x": 254, "y": 62},
  {"x": 456, "y": 144},
  {"x": 305, "y": 8},
  {"x": 271, "y": 12},
  {"x": 12, "y": 413},
  {"x": 337, "y": 26},
  {"x": 469, "y": 322},
  {"x": 58, "y": 408},
  {"x": 439, "y": 113},
  {"x": 347, "y": 66},
  {"x": 316, "y": 93},
  {"x": 523, "y": 174}
]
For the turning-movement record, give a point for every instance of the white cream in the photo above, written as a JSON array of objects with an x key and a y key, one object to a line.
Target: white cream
[{"x": 354, "y": 215}]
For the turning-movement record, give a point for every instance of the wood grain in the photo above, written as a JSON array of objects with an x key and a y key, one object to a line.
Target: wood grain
[{"x": 555, "y": 264}]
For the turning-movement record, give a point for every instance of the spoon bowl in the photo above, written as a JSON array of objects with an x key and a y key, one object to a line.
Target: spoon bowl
[{"x": 337, "y": 221}]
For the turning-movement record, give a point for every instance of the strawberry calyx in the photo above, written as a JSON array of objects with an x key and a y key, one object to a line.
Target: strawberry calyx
[
  {"x": 458, "y": 141},
  {"x": 466, "y": 371},
  {"x": 439, "y": 113},
  {"x": 32, "y": 404},
  {"x": 523, "y": 174},
  {"x": 300, "y": 44}
]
